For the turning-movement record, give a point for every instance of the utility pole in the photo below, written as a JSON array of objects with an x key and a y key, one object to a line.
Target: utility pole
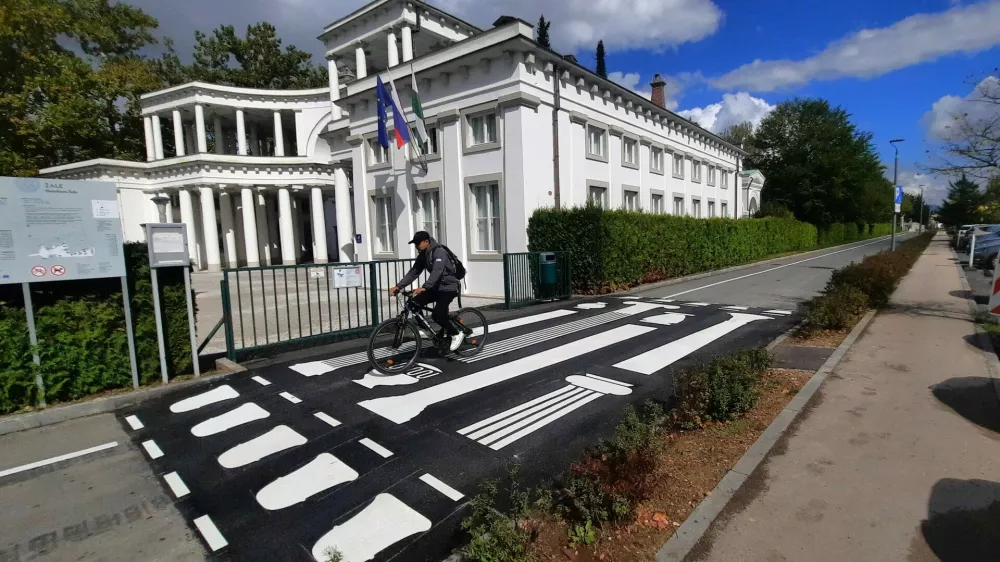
[
  {"x": 920, "y": 225},
  {"x": 895, "y": 180}
]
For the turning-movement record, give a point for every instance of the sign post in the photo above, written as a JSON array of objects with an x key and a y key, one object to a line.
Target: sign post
[
  {"x": 61, "y": 230},
  {"x": 897, "y": 206},
  {"x": 168, "y": 247}
]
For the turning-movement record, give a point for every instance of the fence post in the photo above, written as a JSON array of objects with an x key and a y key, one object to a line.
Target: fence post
[
  {"x": 373, "y": 289},
  {"x": 506, "y": 281},
  {"x": 227, "y": 317}
]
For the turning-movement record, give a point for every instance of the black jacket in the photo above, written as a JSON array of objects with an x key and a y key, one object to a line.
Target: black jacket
[{"x": 442, "y": 270}]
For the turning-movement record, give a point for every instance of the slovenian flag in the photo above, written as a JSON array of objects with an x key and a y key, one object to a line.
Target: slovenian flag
[
  {"x": 418, "y": 113},
  {"x": 399, "y": 121}
]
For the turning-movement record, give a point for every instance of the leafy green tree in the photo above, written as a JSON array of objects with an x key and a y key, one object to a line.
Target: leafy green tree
[
  {"x": 740, "y": 134},
  {"x": 542, "y": 32},
  {"x": 963, "y": 203},
  {"x": 602, "y": 67},
  {"x": 817, "y": 163}
]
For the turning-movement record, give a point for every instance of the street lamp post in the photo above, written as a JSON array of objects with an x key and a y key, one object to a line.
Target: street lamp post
[
  {"x": 895, "y": 179},
  {"x": 920, "y": 225}
]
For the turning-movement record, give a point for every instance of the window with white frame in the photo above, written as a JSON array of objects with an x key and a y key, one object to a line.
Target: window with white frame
[
  {"x": 711, "y": 175},
  {"x": 482, "y": 128},
  {"x": 711, "y": 209},
  {"x": 678, "y": 206},
  {"x": 377, "y": 154},
  {"x": 696, "y": 208},
  {"x": 597, "y": 142},
  {"x": 725, "y": 178},
  {"x": 385, "y": 225},
  {"x": 428, "y": 211},
  {"x": 657, "y": 204},
  {"x": 695, "y": 171},
  {"x": 599, "y": 195},
  {"x": 430, "y": 146},
  {"x": 679, "y": 166},
  {"x": 630, "y": 152},
  {"x": 725, "y": 210},
  {"x": 630, "y": 200},
  {"x": 656, "y": 159},
  {"x": 486, "y": 206}
]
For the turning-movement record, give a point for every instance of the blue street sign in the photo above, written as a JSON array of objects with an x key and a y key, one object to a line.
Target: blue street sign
[
  {"x": 357, "y": 238},
  {"x": 899, "y": 194}
]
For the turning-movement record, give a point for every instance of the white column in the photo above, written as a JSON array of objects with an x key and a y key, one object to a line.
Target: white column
[
  {"x": 285, "y": 223},
  {"x": 199, "y": 126},
  {"x": 241, "y": 134},
  {"x": 209, "y": 228},
  {"x": 320, "y": 254},
  {"x": 407, "y": 44},
  {"x": 157, "y": 138},
  {"x": 147, "y": 124},
  {"x": 263, "y": 236},
  {"x": 297, "y": 227},
  {"x": 273, "y": 235},
  {"x": 187, "y": 217},
  {"x": 169, "y": 207},
  {"x": 178, "y": 133},
  {"x": 362, "y": 65},
  {"x": 279, "y": 135},
  {"x": 393, "y": 49},
  {"x": 334, "y": 89},
  {"x": 345, "y": 226},
  {"x": 254, "y": 140},
  {"x": 220, "y": 137},
  {"x": 228, "y": 228},
  {"x": 250, "y": 227}
]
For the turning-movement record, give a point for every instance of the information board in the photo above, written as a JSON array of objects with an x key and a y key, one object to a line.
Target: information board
[
  {"x": 348, "y": 277},
  {"x": 58, "y": 230},
  {"x": 168, "y": 244}
]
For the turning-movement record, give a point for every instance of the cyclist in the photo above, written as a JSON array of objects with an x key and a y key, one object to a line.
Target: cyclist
[{"x": 441, "y": 287}]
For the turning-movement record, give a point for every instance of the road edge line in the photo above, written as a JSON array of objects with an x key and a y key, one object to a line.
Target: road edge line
[
  {"x": 680, "y": 544},
  {"x": 985, "y": 342}
]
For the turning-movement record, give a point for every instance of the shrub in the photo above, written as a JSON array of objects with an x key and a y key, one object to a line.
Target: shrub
[
  {"x": 582, "y": 534},
  {"x": 724, "y": 389},
  {"x": 496, "y": 535},
  {"x": 878, "y": 275},
  {"x": 837, "y": 309}
]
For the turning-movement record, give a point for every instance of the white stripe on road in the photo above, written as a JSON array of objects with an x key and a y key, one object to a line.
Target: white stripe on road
[
  {"x": 262, "y": 381},
  {"x": 224, "y": 392},
  {"x": 379, "y": 449},
  {"x": 526, "y": 405},
  {"x": 733, "y": 307},
  {"x": 660, "y": 357},
  {"x": 404, "y": 408},
  {"x": 543, "y": 422},
  {"x": 134, "y": 422},
  {"x": 244, "y": 414},
  {"x": 322, "y": 473},
  {"x": 177, "y": 486},
  {"x": 329, "y": 420},
  {"x": 290, "y": 397},
  {"x": 781, "y": 312},
  {"x": 210, "y": 533},
  {"x": 449, "y": 492},
  {"x": 274, "y": 441},
  {"x": 697, "y": 304},
  {"x": 60, "y": 458},
  {"x": 382, "y": 524},
  {"x": 152, "y": 449}
]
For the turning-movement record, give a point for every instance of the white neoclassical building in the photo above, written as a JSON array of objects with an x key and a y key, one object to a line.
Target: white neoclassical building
[{"x": 266, "y": 177}]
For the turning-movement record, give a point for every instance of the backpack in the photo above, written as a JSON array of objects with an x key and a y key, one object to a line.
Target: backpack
[{"x": 459, "y": 267}]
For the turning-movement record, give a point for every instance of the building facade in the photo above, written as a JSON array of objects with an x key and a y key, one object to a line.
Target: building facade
[{"x": 278, "y": 177}]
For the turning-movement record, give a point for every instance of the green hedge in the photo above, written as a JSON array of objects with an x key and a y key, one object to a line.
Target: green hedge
[
  {"x": 842, "y": 233},
  {"x": 81, "y": 334}
]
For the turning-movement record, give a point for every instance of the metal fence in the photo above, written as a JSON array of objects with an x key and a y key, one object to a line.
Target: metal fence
[{"x": 527, "y": 282}]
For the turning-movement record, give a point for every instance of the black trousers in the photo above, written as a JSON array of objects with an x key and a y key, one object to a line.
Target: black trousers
[{"x": 442, "y": 300}]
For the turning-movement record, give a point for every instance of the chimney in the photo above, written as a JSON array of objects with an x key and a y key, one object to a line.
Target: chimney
[{"x": 657, "y": 97}]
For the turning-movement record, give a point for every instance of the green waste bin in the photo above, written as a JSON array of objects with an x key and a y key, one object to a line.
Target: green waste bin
[{"x": 548, "y": 274}]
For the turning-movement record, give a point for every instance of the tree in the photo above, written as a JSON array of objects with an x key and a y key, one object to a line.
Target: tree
[
  {"x": 602, "y": 68},
  {"x": 817, "y": 163},
  {"x": 542, "y": 33},
  {"x": 740, "y": 134},
  {"x": 971, "y": 140},
  {"x": 963, "y": 203}
]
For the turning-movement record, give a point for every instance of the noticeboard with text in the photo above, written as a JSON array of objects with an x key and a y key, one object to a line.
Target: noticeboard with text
[{"x": 59, "y": 230}]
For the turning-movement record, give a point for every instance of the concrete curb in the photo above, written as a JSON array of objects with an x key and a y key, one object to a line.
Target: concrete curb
[
  {"x": 688, "y": 535},
  {"x": 983, "y": 340}
]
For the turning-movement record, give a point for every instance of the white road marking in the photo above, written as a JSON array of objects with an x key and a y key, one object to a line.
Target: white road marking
[
  {"x": 717, "y": 283},
  {"x": 316, "y": 368},
  {"x": 733, "y": 307},
  {"x": 322, "y": 473},
  {"x": 497, "y": 433},
  {"x": 60, "y": 458},
  {"x": 781, "y": 312},
  {"x": 371, "y": 380},
  {"x": 177, "y": 486},
  {"x": 152, "y": 449},
  {"x": 329, "y": 420},
  {"x": 262, "y": 381},
  {"x": 224, "y": 392},
  {"x": 509, "y": 418},
  {"x": 404, "y": 408},
  {"x": 604, "y": 386},
  {"x": 697, "y": 304},
  {"x": 210, "y": 533},
  {"x": 274, "y": 441},
  {"x": 244, "y": 414},
  {"x": 383, "y": 523},
  {"x": 666, "y": 319},
  {"x": 134, "y": 422},
  {"x": 630, "y": 298},
  {"x": 591, "y": 305},
  {"x": 379, "y": 449},
  {"x": 449, "y": 492},
  {"x": 290, "y": 397},
  {"x": 607, "y": 380},
  {"x": 516, "y": 409},
  {"x": 655, "y": 359},
  {"x": 543, "y": 422}
]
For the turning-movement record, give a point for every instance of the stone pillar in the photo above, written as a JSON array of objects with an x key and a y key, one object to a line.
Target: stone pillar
[
  {"x": 360, "y": 62},
  {"x": 209, "y": 228},
  {"x": 147, "y": 124},
  {"x": 285, "y": 223},
  {"x": 178, "y": 133},
  {"x": 187, "y": 217},
  {"x": 199, "y": 126},
  {"x": 228, "y": 229},
  {"x": 279, "y": 135},
  {"x": 169, "y": 207},
  {"x": 220, "y": 137},
  {"x": 157, "y": 138},
  {"x": 241, "y": 134},
  {"x": 250, "y": 227},
  {"x": 407, "y": 44},
  {"x": 390, "y": 41},
  {"x": 334, "y": 89},
  {"x": 320, "y": 253},
  {"x": 263, "y": 233},
  {"x": 297, "y": 227},
  {"x": 345, "y": 226},
  {"x": 273, "y": 236},
  {"x": 241, "y": 246}
]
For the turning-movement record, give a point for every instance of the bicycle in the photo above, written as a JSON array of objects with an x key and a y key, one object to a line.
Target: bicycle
[{"x": 396, "y": 343}]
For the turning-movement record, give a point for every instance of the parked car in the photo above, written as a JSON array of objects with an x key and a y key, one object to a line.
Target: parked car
[
  {"x": 985, "y": 250},
  {"x": 979, "y": 231}
]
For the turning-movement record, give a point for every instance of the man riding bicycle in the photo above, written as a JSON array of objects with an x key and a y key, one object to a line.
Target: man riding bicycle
[{"x": 441, "y": 287}]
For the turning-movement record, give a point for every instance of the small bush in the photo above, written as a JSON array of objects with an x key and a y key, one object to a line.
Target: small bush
[
  {"x": 722, "y": 390},
  {"x": 837, "y": 309},
  {"x": 878, "y": 275},
  {"x": 582, "y": 534},
  {"x": 496, "y": 535}
]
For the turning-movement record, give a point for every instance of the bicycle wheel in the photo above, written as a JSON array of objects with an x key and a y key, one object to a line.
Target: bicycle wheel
[
  {"x": 393, "y": 347},
  {"x": 473, "y": 324}
]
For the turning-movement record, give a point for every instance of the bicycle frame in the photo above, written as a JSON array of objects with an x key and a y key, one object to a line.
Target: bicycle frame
[{"x": 411, "y": 308}]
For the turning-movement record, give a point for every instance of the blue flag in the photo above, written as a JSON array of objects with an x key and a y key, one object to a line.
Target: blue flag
[{"x": 382, "y": 100}]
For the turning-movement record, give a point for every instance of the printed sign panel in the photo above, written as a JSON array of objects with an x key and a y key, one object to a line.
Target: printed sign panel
[
  {"x": 347, "y": 277},
  {"x": 58, "y": 230},
  {"x": 168, "y": 244}
]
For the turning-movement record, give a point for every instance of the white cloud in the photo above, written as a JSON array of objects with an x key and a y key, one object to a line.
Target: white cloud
[
  {"x": 633, "y": 81},
  {"x": 873, "y": 52},
  {"x": 733, "y": 109},
  {"x": 935, "y": 187},
  {"x": 951, "y": 114}
]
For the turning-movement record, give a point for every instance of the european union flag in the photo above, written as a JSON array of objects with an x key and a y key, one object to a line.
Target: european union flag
[{"x": 382, "y": 100}]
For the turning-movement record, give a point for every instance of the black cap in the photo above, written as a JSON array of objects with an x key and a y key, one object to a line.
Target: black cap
[{"x": 420, "y": 236}]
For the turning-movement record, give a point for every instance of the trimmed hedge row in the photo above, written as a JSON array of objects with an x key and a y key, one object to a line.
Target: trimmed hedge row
[
  {"x": 842, "y": 233},
  {"x": 81, "y": 334},
  {"x": 616, "y": 249}
]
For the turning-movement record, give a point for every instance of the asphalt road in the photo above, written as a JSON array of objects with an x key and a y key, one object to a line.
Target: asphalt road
[{"x": 282, "y": 461}]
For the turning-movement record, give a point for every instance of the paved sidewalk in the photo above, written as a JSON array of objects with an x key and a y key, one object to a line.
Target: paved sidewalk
[{"x": 898, "y": 456}]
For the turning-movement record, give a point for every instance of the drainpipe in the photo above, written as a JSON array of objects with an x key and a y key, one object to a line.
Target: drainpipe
[
  {"x": 557, "y": 104},
  {"x": 736, "y": 191}
]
